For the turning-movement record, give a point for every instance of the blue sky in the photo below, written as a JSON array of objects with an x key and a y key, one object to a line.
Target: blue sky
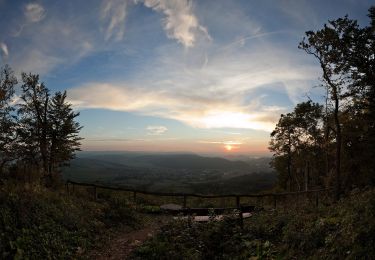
[{"x": 172, "y": 75}]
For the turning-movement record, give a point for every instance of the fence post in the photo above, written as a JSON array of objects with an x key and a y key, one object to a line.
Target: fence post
[
  {"x": 241, "y": 217},
  {"x": 317, "y": 199},
  {"x": 67, "y": 188},
  {"x": 238, "y": 202}
]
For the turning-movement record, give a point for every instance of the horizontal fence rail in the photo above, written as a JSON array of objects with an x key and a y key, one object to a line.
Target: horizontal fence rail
[
  {"x": 174, "y": 194},
  {"x": 186, "y": 210}
]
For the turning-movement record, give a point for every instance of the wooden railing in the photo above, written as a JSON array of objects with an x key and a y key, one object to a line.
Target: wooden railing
[{"x": 237, "y": 197}]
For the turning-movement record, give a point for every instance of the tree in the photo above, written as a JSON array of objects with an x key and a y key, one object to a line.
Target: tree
[
  {"x": 296, "y": 143},
  {"x": 63, "y": 131},
  {"x": 33, "y": 113},
  {"x": 8, "y": 124},
  {"x": 346, "y": 55},
  {"x": 308, "y": 120},
  {"x": 282, "y": 144},
  {"x": 330, "y": 46},
  {"x": 48, "y": 130}
]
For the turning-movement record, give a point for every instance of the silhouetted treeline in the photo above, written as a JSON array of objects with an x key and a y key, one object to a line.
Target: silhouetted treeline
[
  {"x": 333, "y": 144},
  {"x": 39, "y": 133}
]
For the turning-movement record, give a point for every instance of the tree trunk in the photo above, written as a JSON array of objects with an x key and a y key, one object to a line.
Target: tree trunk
[
  {"x": 338, "y": 147},
  {"x": 307, "y": 169}
]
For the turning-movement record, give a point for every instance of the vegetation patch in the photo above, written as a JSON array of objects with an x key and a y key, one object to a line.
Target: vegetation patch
[
  {"x": 38, "y": 223},
  {"x": 345, "y": 230}
]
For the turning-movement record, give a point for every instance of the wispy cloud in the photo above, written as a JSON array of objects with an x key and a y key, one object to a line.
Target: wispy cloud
[
  {"x": 34, "y": 12},
  {"x": 180, "y": 23},
  {"x": 156, "y": 129},
  {"x": 113, "y": 15},
  {"x": 228, "y": 92},
  {"x": 59, "y": 41},
  {"x": 4, "y": 49}
]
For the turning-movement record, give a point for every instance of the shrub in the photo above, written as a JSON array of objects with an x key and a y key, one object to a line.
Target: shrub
[
  {"x": 39, "y": 223},
  {"x": 345, "y": 230}
]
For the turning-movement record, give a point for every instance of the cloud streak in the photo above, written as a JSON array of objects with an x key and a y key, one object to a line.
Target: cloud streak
[
  {"x": 156, "y": 130},
  {"x": 4, "y": 49},
  {"x": 180, "y": 23},
  {"x": 227, "y": 92},
  {"x": 34, "y": 12},
  {"x": 113, "y": 15}
]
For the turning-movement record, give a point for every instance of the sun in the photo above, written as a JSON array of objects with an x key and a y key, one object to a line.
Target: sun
[{"x": 228, "y": 147}]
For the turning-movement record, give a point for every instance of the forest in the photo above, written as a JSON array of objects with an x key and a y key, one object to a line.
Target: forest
[
  {"x": 332, "y": 144},
  {"x": 328, "y": 146}
]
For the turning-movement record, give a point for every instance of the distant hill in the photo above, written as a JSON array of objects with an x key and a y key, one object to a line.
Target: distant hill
[
  {"x": 176, "y": 161},
  {"x": 164, "y": 160},
  {"x": 192, "y": 161},
  {"x": 171, "y": 172}
]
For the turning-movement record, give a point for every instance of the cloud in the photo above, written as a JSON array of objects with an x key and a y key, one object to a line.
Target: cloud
[
  {"x": 4, "y": 49},
  {"x": 200, "y": 113},
  {"x": 113, "y": 14},
  {"x": 156, "y": 130},
  {"x": 36, "y": 61},
  {"x": 34, "y": 12},
  {"x": 229, "y": 91},
  {"x": 180, "y": 23},
  {"x": 57, "y": 44}
]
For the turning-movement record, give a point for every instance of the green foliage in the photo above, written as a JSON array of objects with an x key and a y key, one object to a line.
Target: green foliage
[
  {"x": 40, "y": 224},
  {"x": 337, "y": 146},
  {"x": 7, "y": 120},
  {"x": 295, "y": 142},
  {"x": 345, "y": 230}
]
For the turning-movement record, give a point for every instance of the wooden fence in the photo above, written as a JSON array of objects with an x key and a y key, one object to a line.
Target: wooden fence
[{"x": 276, "y": 197}]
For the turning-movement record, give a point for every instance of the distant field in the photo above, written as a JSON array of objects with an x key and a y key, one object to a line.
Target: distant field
[{"x": 172, "y": 172}]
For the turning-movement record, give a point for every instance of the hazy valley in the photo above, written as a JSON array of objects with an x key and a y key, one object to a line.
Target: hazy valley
[{"x": 172, "y": 172}]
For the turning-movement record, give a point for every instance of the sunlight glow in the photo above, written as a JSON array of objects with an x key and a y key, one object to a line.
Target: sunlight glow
[
  {"x": 227, "y": 119},
  {"x": 228, "y": 147}
]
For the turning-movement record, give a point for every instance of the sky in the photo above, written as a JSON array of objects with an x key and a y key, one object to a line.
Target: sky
[{"x": 203, "y": 76}]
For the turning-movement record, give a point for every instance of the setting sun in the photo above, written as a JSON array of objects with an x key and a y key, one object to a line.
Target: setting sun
[{"x": 228, "y": 147}]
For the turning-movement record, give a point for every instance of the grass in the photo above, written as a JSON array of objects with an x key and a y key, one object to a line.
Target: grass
[
  {"x": 344, "y": 230},
  {"x": 39, "y": 223}
]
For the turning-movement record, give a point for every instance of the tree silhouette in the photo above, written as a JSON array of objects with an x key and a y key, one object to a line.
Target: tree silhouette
[
  {"x": 8, "y": 124},
  {"x": 46, "y": 130},
  {"x": 33, "y": 113},
  {"x": 296, "y": 142},
  {"x": 346, "y": 54},
  {"x": 63, "y": 131}
]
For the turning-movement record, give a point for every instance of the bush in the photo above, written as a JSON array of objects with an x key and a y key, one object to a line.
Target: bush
[
  {"x": 39, "y": 223},
  {"x": 345, "y": 230}
]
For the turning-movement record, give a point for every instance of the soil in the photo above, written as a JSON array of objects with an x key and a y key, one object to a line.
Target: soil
[{"x": 125, "y": 241}]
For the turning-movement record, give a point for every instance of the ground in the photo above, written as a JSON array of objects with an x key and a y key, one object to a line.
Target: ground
[{"x": 125, "y": 240}]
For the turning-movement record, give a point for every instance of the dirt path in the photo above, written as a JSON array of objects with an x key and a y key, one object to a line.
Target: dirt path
[{"x": 123, "y": 243}]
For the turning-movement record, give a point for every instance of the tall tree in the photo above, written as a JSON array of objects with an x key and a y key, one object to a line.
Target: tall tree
[
  {"x": 346, "y": 54},
  {"x": 33, "y": 113},
  {"x": 7, "y": 119},
  {"x": 330, "y": 46},
  {"x": 296, "y": 143},
  {"x": 63, "y": 132},
  {"x": 282, "y": 144}
]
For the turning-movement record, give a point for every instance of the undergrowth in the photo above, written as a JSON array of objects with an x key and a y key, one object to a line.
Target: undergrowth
[
  {"x": 38, "y": 223},
  {"x": 345, "y": 230}
]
